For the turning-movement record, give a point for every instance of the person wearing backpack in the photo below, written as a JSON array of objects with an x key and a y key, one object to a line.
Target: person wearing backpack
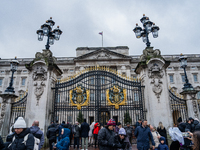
[
  {"x": 22, "y": 139},
  {"x": 76, "y": 132},
  {"x": 37, "y": 133},
  {"x": 1, "y": 144},
  {"x": 51, "y": 134}
]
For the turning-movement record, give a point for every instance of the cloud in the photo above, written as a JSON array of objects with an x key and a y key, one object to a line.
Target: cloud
[{"x": 81, "y": 21}]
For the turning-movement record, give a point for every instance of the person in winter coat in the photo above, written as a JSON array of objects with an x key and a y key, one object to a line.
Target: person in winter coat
[
  {"x": 156, "y": 136},
  {"x": 35, "y": 130},
  {"x": 51, "y": 134},
  {"x": 1, "y": 144},
  {"x": 63, "y": 144},
  {"x": 162, "y": 131},
  {"x": 106, "y": 137},
  {"x": 181, "y": 125},
  {"x": 143, "y": 134},
  {"x": 138, "y": 123},
  {"x": 85, "y": 128},
  {"x": 196, "y": 124},
  {"x": 162, "y": 145},
  {"x": 118, "y": 127},
  {"x": 60, "y": 129},
  {"x": 76, "y": 135},
  {"x": 192, "y": 124},
  {"x": 90, "y": 142},
  {"x": 129, "y": 131},
  {"x": 122, "y": 139},
  {"x": 21, "y": 131},
  {"x": 96, "y": 131}
]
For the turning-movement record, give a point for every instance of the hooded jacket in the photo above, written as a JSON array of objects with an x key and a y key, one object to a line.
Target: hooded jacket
[
  {"x": 64, "y": 143},
  {"x": 18, "y": 144},
  {"x": 196, "y": 125},
  {"x": 77, "y": 128},
  {"x": 96, "y": 129},
  {"x": 162, "y": 146},
  {"x": 52, "y": 131},
  {"x": 35, "y": 130}
]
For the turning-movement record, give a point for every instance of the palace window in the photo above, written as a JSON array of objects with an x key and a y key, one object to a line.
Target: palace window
[
  {"x": 171, "y": 78},
  {"x": 92, "y": 80},
  {"x": 23, "y": 81},
  {"x": 183, "y": 78},
  {"x": 136, "y": 96},
  {"x": 195, "y": 77},
  {"x": 198, "y": 95},
  {"x": 102, "y": 80},
  {"x": 91, "y": 96},
  {"x": 103, "y": 96},
  {"x": 1, "y": 82}
]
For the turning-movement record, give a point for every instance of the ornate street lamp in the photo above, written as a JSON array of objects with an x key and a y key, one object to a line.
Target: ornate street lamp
[
  {"x": 183, "y": 63},
  {"x": 46, "y": 30},
  {"x": 13, "y": 64},
  {"x": 148, "y": 28}
]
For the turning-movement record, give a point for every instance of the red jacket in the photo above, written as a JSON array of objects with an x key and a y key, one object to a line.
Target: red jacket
[{"x": 96, "y": 129}]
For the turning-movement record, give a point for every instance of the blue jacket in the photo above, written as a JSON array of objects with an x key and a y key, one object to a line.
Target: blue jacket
[
  {"x": 59, "y": 131},
  {"x": 35, "y": 130},
  {"x": 162, "y": 146},
  {"x": 64, "y": 143},
  {"x": 143, "y": 135}
]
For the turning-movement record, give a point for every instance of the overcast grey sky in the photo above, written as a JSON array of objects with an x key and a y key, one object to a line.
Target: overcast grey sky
[{"x": 82, "y": 20}]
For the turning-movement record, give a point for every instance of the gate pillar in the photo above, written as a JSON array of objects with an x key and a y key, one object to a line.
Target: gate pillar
[
  {"x": 7, "y": 99},
  {"x": 43, "y": 74},
  {"x": 192, "y": 105},
  {"x": 152, "y": 72}
]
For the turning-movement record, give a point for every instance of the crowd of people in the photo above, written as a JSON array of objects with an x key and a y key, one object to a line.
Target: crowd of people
[{"x": 111, "y": 136}]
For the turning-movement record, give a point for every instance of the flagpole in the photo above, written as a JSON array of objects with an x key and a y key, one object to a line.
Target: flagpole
[{"x": 102, "y": 38}]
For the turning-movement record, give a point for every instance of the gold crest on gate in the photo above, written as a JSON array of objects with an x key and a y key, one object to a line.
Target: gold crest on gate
[
  {"x": 116, "y": 96},
  {"x": 79, "y": 97}
]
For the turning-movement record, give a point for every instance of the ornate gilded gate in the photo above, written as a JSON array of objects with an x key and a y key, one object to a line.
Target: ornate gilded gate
[
  {"x": 99, "y": 93},
  {"x": 178, "y": 106}
]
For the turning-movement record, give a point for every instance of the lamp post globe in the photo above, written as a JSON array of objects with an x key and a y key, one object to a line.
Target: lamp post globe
[
  {"x": 46, "y": 30},
  {"x": 13, "y": 67},
  {"x": 148, "y": 27}
]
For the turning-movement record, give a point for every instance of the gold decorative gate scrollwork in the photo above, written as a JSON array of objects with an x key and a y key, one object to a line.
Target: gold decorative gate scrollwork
[
  {"x": 79, "y": 97},
  {"x": 116, "y": 96}
]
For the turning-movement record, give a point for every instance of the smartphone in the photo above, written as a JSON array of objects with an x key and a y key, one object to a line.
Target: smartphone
[{"x": 185, "y": 134}]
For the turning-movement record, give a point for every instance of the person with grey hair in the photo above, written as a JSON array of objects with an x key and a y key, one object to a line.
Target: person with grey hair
[{"x": 35, "y": 130}]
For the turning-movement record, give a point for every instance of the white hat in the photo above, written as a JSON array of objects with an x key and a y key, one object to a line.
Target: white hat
[
  {"x": 20, "y": 123},
  {"x": 122, "y": 131}
]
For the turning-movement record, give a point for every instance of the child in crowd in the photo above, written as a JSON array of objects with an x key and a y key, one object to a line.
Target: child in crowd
[{"x": 162, "y": 145}]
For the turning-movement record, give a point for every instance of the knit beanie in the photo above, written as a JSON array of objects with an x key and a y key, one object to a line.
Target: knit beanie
[
  {"x": 111, "y": 122},
  {"x": 122, "y": 131},
  {"x": 20, "y": 123}
]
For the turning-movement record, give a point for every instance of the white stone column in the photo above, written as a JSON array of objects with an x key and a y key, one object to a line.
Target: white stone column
[
  {"x": 154, "y": 78},
  {"x": 40, "y": 95}
]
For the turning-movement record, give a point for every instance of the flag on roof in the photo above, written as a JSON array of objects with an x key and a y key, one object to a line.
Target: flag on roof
[{"x": 101, "y": 33}]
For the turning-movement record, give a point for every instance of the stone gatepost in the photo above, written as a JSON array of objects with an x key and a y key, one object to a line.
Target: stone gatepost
[
  {"x": 192, "y": 105},
  {"x": 7, "y": 99},
  {"x": 43, "y": 74},
  {"x": 152, "y": 71}
]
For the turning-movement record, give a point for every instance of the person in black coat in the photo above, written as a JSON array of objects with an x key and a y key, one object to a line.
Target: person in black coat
[
  {"x": 1, "y": 144},
  {"x": 162, "y": 131},
  {"x": 18, "y": 137},
  {"x": 106, "y": 137},
  {"x": 85, "y": 128},
  {"x": 181, "y": 125},
  {"x": 51, "y": 134}
]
